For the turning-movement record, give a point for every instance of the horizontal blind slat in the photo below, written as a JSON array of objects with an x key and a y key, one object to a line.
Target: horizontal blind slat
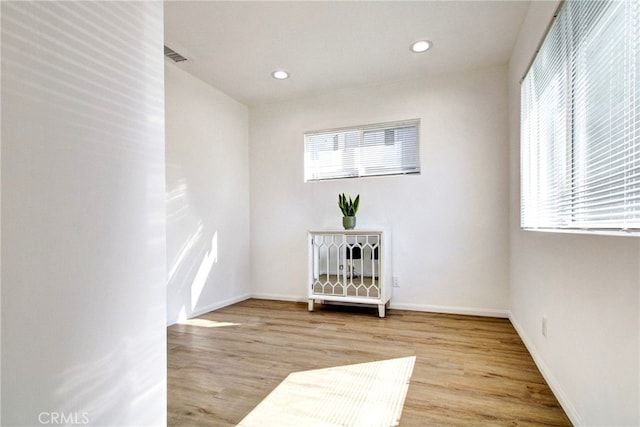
[
  {"x": 369, "y": 150},
  {"x": 580, "y": 120}
]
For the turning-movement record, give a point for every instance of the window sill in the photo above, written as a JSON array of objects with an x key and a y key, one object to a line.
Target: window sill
[{"x": 588, "y": 231}]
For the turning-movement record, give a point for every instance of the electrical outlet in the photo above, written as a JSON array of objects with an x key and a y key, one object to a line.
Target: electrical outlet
[
  {"x": 396, "y": 282},
  {"x": 544, "y": 326}
]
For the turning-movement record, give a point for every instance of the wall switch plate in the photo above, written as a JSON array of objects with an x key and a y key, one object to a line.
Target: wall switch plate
[{"x": 544, "y": 326}]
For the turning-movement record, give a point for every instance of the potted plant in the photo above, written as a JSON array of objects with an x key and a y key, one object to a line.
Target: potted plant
[{"x": 349, "y": 208}]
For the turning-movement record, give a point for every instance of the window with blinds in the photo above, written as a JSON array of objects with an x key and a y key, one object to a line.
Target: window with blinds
[
  {"x": 580, "y": 121},
  {"x": 371, "y": 150}
]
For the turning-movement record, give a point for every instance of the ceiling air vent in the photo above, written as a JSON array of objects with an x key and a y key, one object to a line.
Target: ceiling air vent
[{"x": 170, "y": 53}]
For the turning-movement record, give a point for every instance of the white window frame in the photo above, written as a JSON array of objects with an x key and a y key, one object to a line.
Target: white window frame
[
  {"x": 348, "y": 152},
  {"x": 580, "y": 168}
]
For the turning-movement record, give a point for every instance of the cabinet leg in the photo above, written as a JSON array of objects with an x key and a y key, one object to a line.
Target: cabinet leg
[
  {"x": 311, "y": 301},
  {"x": 381, "y": 308}
]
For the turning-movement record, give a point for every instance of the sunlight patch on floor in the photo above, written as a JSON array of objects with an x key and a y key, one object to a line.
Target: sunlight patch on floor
[
  {"x": 205, "y": 323},
  {"x": 367, "y": 394}
]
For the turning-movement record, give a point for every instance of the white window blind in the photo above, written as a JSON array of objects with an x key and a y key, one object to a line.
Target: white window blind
[
  {"x": 580, "y": 119},
  {"x": 380, "y": 149}
]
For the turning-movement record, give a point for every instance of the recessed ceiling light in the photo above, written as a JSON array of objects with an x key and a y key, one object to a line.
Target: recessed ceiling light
[
  {"x": 421, "y": 46},
  {"x": 280, "y": 74}
]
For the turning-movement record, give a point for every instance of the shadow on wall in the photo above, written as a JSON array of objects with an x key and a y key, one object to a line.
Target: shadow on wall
[
  {"x": 192, "y": 264},
  {"x": 80, "y": 385}
]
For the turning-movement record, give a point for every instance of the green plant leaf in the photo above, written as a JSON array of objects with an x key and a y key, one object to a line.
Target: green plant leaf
[
  {"x": 341, "y": 203},
  {"x": 348, "y": 205}
]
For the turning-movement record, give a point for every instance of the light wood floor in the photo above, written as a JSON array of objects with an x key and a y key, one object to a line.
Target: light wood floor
[{"x": 469, "y": 371}]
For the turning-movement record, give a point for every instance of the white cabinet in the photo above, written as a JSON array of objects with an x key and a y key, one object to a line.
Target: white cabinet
[{"x": 350, "y": 266}]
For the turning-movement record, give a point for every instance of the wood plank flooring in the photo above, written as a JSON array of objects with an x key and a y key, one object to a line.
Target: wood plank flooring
[{"x": 469, "y": 371}]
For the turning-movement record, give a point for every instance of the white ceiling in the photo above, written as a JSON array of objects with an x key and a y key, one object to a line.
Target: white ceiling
[{"x": 326, "y": 46}]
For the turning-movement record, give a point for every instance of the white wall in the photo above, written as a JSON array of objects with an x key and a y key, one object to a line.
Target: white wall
[
  {"x": 83, "y": 214},
  {"x": 0, "y": 234},
  {"x": 207, "y": 152},
  {"x": 587, "y": 286},
  {"x": 448, "y": 224}
]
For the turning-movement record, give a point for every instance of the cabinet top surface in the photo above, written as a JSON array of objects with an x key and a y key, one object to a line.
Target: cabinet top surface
[{"x": 363, "y": 231}]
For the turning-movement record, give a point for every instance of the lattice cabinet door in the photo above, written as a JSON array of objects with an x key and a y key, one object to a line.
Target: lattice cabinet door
[
  {"x": 328, "y": 264},
  {"x": 349, "y": 267}
]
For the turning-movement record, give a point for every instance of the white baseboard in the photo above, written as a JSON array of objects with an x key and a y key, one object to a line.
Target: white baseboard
[
  {"x": 211, "y": 307},
  {"x": 278, "y": 297},
  {"x": 468, "y": 311},
  {"x": 568, "y": 407},
  {"x": 411, "y": 307}
]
